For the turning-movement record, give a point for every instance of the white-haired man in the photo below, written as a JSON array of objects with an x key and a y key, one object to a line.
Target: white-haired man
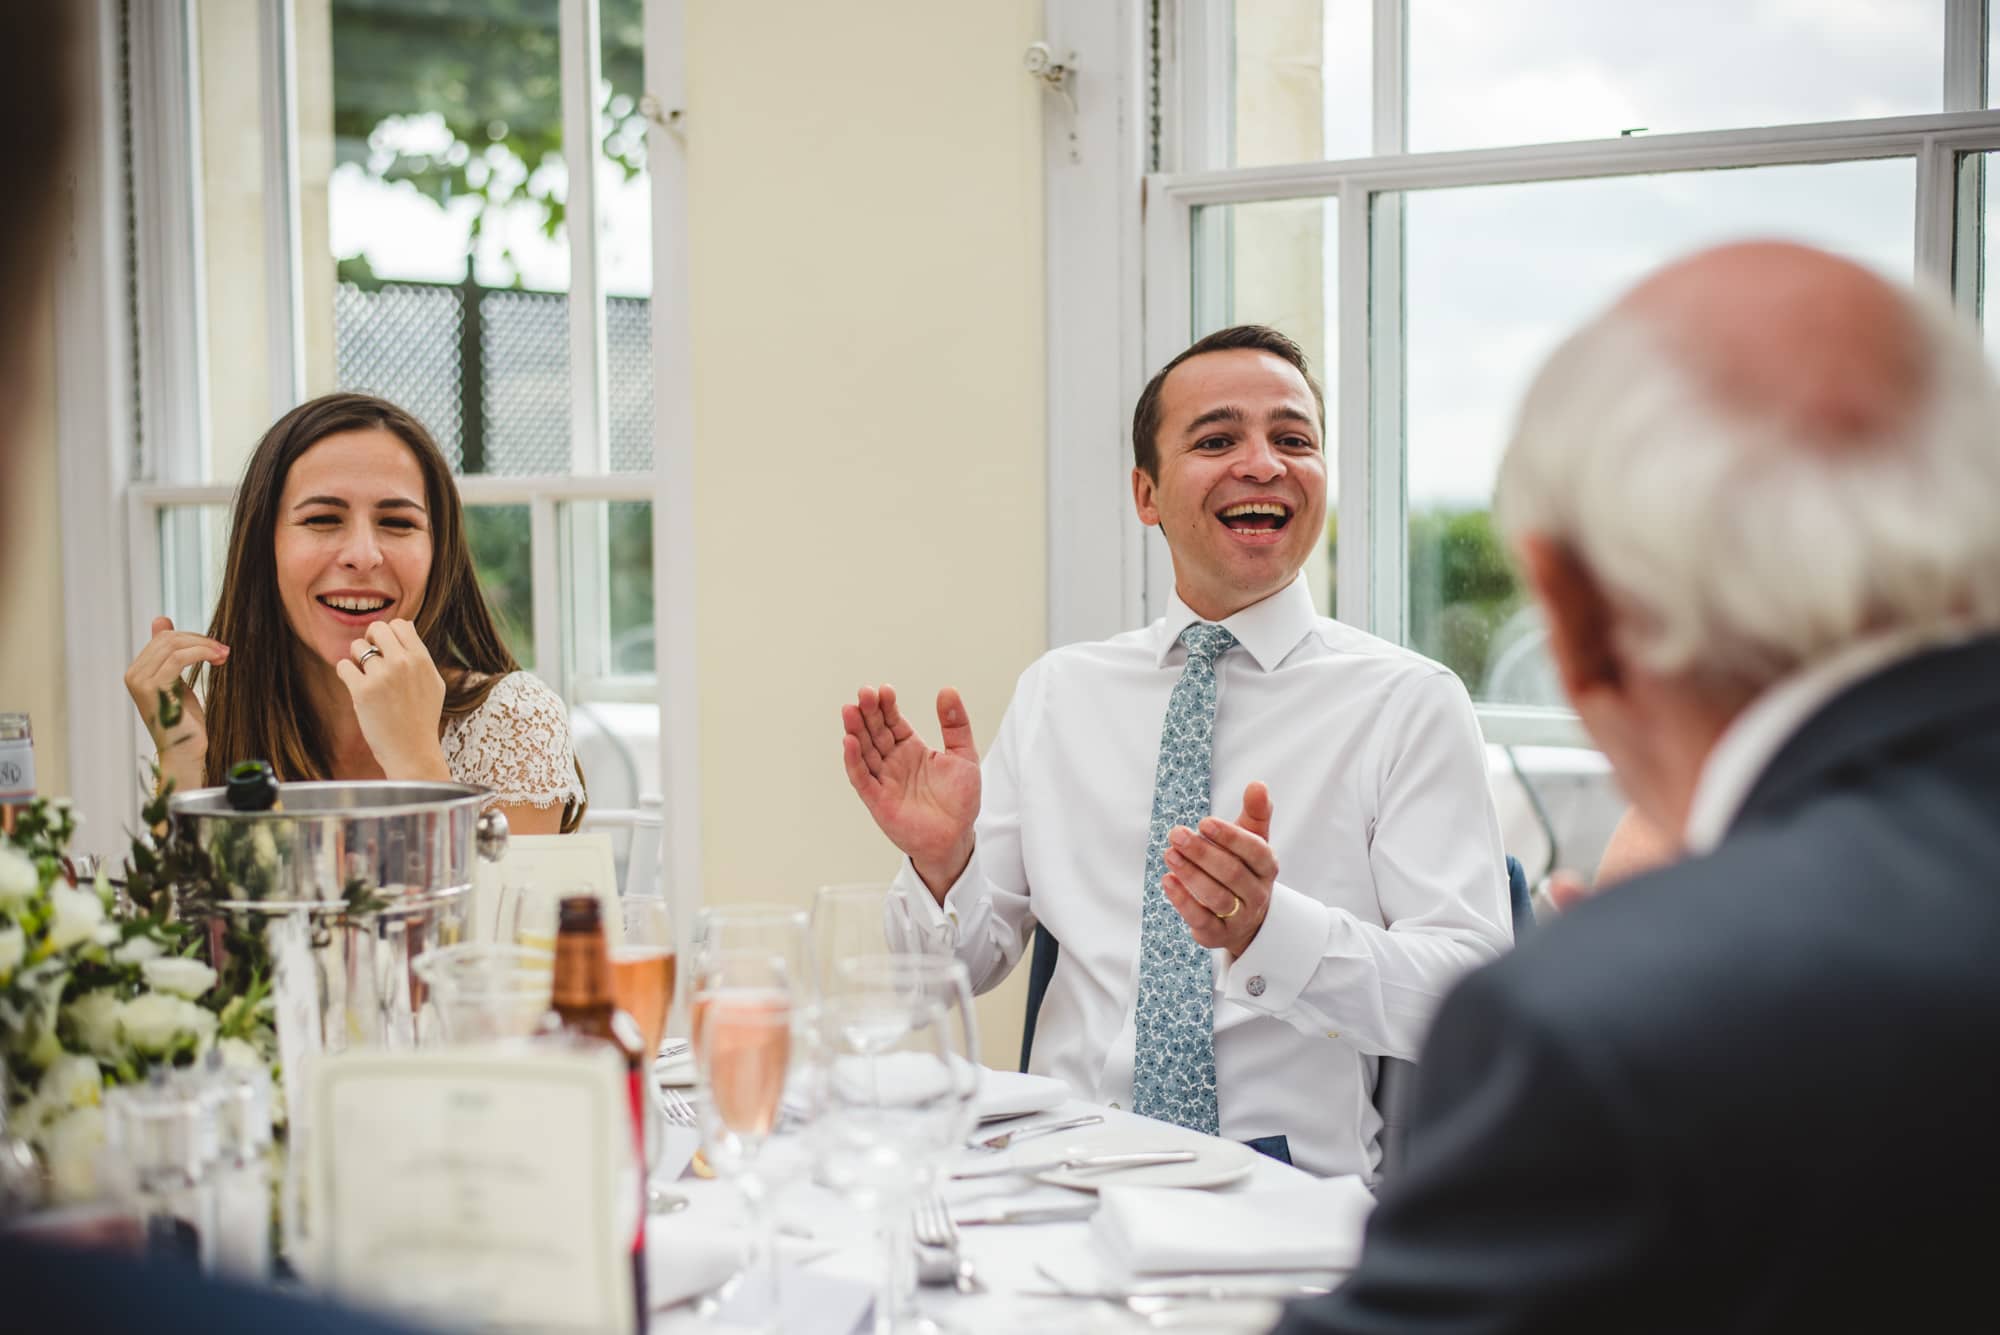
[{"x": 1755, "y": 1090}]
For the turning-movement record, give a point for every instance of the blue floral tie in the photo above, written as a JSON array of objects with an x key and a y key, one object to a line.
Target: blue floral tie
[{"x": 1173, "y": 1072}]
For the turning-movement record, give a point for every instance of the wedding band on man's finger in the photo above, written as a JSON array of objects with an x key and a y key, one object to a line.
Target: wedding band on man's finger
[{"x": 1233, "y": 908}]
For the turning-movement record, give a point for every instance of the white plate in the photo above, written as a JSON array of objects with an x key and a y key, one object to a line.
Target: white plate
[{"x": 1216, "y": 1162}]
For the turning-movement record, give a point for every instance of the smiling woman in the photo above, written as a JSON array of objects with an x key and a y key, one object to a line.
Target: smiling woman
[{"x": 351, "y": 640}]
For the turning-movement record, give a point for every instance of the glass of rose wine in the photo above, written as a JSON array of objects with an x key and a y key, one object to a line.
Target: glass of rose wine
[
  {"x": 642, "y": 979},
  {"x": 743, "y": 1060}
]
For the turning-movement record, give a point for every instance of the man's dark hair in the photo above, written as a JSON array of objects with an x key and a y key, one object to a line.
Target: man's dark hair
[{"x": 1257, "y": 338}]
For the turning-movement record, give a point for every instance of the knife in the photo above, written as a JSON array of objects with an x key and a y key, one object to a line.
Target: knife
[
  {"x": 1032, "y": 1214},
  {"x": 1097, "y": 1163}
]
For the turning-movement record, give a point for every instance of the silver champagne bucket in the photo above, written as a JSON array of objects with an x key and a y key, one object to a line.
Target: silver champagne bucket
[
  {"x": 369, "y": 875},
  {"x": 348, "y": 884}
]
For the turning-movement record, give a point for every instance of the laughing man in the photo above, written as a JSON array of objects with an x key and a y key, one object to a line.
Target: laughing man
[{"x": 1243, "y": 976}]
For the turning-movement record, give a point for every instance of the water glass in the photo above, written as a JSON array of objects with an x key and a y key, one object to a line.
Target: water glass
[
  {"x": 870, "y": 918},
  {"x": 481, "y": 991},
  {"x": 902, "y": 1072}
]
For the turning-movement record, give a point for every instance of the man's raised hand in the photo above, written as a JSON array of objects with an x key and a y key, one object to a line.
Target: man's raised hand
[{"x": 925, "y": 800}]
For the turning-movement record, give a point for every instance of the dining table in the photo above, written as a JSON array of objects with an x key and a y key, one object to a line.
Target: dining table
[{"x": 1033, "y": 1276}]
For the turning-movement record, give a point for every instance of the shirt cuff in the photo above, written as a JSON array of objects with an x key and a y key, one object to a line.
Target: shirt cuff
[
  {"x": 1279, "y": 961},
  {"x": 922, "y": 907}
]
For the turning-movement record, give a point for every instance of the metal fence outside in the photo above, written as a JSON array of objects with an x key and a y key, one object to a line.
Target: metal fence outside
[{"x": 487, "y": 370}]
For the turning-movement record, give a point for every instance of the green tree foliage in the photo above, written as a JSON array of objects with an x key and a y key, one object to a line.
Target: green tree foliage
[
  {"x": 490, "y": 69},
  {"x": 1462, "y": 587}
]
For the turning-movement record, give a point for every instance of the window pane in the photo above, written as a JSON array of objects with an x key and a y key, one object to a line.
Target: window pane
[
  {"x": 441, "y": 128},
  {"x": 1483, "y": 74},
  {"x": 1974, "y": 260},
  {"x": 625, "y": 207},
  {"x": 613, "y": 695},
  {"x": 1302, "y": 75},
  {"x": 1275, "y": 263},
  {"x": 1495, "y": 277},
  {"x": 501, "y": 548},
  {"x": 194, "y": 546}
]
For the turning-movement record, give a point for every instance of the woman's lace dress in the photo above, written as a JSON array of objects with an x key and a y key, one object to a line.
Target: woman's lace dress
[{"x": 517, "y": 743}]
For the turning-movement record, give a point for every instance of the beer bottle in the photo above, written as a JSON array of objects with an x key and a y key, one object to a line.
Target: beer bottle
[{"x": 582, "y": 1007}]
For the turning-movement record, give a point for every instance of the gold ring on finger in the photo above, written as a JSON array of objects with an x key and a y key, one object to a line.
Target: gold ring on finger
[{"x": 1232, "y": 908}]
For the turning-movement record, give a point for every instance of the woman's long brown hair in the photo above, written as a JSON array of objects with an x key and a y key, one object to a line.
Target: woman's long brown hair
[{"x": 257, "y": 704}]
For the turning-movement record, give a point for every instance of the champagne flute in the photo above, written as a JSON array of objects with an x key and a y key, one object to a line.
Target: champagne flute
[
  {"x": 869, "y": 918},
  {"x": 534, "y": 919},
  {"x": 776, "y": 931},
  {"x": 745, "y": 997},
  {"x": 902, "y": 1071},
  {"x": 642, "y": 979}
]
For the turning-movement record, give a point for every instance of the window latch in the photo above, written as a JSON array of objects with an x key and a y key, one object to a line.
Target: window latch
[{"x": 1058, "y": 77}]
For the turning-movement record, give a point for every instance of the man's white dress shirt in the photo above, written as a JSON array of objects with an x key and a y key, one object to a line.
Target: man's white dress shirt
[{"x": 1391, "y": 878}]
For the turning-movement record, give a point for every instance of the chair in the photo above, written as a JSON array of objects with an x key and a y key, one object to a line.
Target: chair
[{"x": 1395, "y": 1079}]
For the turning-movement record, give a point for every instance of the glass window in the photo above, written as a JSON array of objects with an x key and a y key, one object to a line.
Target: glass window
[
  {"x": 614, "y": 706},
  {"x": 194, "y": 546},
  {"x": 1275, "y": 263},
  {"x": 1536, "y": 71},
  {"x": 1303, "y": 83},
  {"x": 1495, "y": 276},
  {"x": 445, "y": 210},
  {"x": 625, "y": 235},
  {"x": 499, "y": 538}
]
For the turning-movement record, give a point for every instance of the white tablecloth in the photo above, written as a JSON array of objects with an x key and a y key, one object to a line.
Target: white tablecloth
[{"x": 1003, "y": 1257}]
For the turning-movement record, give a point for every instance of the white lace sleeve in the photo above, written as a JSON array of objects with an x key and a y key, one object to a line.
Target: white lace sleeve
[{"x": 517, "y": 743}]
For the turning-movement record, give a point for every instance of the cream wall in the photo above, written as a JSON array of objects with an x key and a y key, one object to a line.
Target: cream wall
[
  {"x": 31, "y": 607},
  {"x": 865, "y": 230}
]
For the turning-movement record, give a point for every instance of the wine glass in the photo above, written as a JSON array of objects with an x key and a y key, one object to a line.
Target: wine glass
[
  {"x": 745, "y": 998},
  {"x": 642, "y": 980},
  {"x": 869, "y": 918},
  {"x": 902, "y": 1071},
  {"x": 776, "y": 931},
  {"x": 534, "y": 919}
]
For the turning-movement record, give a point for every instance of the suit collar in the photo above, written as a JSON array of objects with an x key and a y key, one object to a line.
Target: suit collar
[{"x": 1916, "y": 699}]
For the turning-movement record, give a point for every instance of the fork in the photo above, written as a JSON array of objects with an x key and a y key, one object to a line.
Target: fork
[
  {"x": 675, "y": 1107},
  {"x": 932, "y": 1226}
]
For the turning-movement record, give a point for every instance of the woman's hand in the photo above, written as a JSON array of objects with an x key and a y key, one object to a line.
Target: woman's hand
[
  {"x": 161, "y": 667},
  {"x": 398, "y": 700}
]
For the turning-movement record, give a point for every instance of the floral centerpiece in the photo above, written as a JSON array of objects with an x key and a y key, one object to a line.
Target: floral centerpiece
[{"x": 91, "y": 997}]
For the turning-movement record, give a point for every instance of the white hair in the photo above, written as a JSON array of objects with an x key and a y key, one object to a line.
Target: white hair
[{"x": 1737, "y": 547}]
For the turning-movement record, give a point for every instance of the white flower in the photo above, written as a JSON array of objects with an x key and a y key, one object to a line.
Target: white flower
[
  {"x": 95, "y": 1018},
  {"x": 77, "y": 915},
  {"x": 71, "y": 1148},
  {"x": 154, "y": 1022},
  {"x": 238, "y": 1055},
  {"x": 18, "y": 878},
  {"x": 72, "y": 1082},
  {"x": 183, "y": 978},
  {"x": 138, "y": 950},
  {"x": 13, "y": 945}
]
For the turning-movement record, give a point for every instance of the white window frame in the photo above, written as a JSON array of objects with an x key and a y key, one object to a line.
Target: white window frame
[
  {"x": 1367, "y": 432},
  {"x": 112, "y": 570}
]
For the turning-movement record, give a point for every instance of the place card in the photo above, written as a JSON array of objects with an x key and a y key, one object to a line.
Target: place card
[{"x": 490, "y": 1187}]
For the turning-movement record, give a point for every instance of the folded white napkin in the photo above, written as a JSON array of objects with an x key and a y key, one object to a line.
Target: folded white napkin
[
  {"x": 683, "y": 1262},
  {"x": 1015, "y": 1094},
  {"x": 1154, "y": 1230}
]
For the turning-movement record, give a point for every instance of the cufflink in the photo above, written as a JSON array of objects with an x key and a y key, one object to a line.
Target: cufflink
[{"x": 1255, "y": 987}]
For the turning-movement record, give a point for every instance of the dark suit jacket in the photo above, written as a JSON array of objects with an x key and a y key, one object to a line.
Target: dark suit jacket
[{"x": 1756, "y": 1091}]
